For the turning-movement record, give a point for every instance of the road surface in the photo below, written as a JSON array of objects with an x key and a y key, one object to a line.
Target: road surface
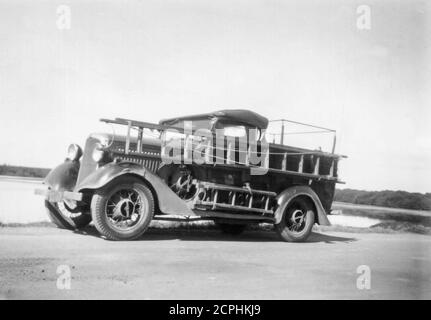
[{"x": 204, "y": 264}]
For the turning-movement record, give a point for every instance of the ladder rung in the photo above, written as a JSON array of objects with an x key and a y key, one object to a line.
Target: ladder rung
[
  {"x": 215, "y": 186},
  {"x": 230, "y": 207}
]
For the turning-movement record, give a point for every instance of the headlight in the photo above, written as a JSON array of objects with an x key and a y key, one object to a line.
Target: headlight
[
  {"x": 74, "y": 152},
  {"x": 98, "y": 154}
]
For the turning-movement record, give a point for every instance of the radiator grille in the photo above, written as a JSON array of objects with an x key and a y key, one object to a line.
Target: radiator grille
[
  {"x": 151, "y": 164},
  {"x": 147, "y": 158}
]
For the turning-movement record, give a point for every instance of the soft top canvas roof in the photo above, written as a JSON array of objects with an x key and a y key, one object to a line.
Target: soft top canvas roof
[{"x": 242, "y": 116}]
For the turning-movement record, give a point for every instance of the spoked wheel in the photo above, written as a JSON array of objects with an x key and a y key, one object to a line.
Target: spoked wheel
[
  {"x": 184, "y": 187},
  {"x": 297, "y": 221},
  {"x": 123, "y": 209},
  {"x": 66, "y": 218}
]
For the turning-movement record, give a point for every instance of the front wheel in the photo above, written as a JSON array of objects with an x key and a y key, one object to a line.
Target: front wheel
[
  {"x": 297, "y": 221},
  {"x": 123, "y": 209},
  {"x": 64, "y": 217}
]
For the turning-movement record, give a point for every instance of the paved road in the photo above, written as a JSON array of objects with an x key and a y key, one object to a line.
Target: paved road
[{"x": 178, "y": 264}]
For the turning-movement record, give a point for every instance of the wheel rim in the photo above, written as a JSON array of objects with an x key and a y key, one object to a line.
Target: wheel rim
[
  {"x": 125, "y": 209},
  {"x": 296, "y": 219}
]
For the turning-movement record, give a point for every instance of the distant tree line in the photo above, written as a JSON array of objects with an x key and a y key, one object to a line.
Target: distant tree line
[
  {"x": 6, "y": 170},
  {"x": 387, "y": 198}
]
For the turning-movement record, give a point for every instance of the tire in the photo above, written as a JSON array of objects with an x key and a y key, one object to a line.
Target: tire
[
  {"x": 64, "y": 218},
  {"x": 111, "y": 205},
  {"x": 232, "y": 229},
  {"x": 293, "y": 228}
]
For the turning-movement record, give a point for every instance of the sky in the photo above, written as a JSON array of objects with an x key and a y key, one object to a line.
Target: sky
[{"x": 310, "y": 61}]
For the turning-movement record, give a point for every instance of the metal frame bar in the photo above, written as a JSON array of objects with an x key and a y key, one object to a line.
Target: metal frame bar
[{"x": 282, "y": 134}]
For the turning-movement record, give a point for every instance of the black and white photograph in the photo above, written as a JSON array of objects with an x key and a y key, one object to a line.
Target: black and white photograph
[{"x": 223, "y": 151}]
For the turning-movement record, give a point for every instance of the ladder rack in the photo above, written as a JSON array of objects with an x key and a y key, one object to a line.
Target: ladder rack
[
  {"x": 278, "y": 166},
  {"x": 224, "y": 197}
]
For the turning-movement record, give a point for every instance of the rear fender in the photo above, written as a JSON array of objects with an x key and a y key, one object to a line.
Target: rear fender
[
  {"x": 285, "y": 197},
  {"x": 168, "y": 201}
]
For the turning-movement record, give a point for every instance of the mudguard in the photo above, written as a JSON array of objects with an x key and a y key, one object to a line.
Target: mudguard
[
  {"x": 168, "y": 201},
  {"x": 284, "y": 198},
  {"x": 63, "y": 177}
]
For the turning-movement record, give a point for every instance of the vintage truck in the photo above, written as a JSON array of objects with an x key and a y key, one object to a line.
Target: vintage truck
[{"x": 216, "y": 166}]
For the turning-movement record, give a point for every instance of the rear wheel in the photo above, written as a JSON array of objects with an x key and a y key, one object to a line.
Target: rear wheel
[
  {"x": 123, "y": 209},
  {"x": 64, "y": 217},
  {"x": 297, "y": 221}
]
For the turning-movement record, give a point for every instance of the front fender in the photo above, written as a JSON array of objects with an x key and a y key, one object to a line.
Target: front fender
[
  {"x": 63, "y": 177},
  {"x": 168, "y": 201},
  {"x": 284, "y": 198}
]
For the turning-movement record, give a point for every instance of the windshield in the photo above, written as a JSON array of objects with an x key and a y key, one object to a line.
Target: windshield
[
  {"x": 235, "y": 131},
  {"x": 193, "y": 124}
]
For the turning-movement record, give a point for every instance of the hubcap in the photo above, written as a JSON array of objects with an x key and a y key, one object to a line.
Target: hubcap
[
  {"x": 124, "y": 209},
  {"x": 298, "y": 216},
  {"x": 297, "y": 220}
]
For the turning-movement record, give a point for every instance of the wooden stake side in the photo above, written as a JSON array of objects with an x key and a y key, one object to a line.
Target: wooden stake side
[
  {"x": 317, "y": 166},
  {"x": 284, "y": 163},
  {"x": 301, "y": 164}
]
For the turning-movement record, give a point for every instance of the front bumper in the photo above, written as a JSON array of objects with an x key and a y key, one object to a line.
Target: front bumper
[{"x": 58, "y": 196}]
